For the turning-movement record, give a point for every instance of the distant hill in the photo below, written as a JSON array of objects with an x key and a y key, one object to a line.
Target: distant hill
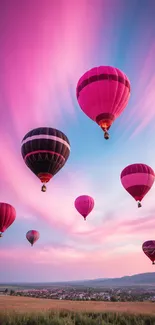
[
  {"x": 137, "y": 279},
  {"x": 143, "y": 279}
]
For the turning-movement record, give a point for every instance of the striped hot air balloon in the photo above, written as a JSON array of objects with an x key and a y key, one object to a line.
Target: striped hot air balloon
[
  {"x": 103, "y": 93},
  {"x": 32, "y": 236},
  {"x": 137, "y": 179},
  {"x": 45, "y": 151},
  {"x": 148, "y": 248}
]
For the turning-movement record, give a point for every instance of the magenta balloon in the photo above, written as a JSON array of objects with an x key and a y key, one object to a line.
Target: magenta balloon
[
  {"x": 32, "y": 236},
  {"x": 103, "y": 93},
  {"x": 137, "y": 179},
  {"x": 7, "y": 216},
  {"x": 84, "y": 204}
]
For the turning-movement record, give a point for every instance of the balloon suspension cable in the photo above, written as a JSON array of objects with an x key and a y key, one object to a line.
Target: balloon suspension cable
[
  {"x": 85, "y": 218},
  {"x": 106, "y": 135},
  {"x": 31, "y": 245},
  {"x": 43, "y": 188},
  {"x": 139, "y": 205},
  {"x": 1, "y": 235}
]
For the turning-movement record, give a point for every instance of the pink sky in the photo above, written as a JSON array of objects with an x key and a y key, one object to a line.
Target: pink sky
[{"x": 45, "y": 48}]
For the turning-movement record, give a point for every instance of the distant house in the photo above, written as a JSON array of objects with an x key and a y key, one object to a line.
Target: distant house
[{"x": 2, "y": 292}]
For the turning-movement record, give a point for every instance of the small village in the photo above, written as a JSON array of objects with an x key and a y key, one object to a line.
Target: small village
[{"x": 87, "y": 294}]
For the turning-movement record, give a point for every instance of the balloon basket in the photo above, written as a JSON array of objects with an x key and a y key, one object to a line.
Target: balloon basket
[
  {"x": 43, "y": 188},
  {"x": 106, "y": 135}
]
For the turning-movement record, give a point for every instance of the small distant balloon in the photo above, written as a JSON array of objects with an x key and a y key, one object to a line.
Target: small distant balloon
[
  {"x": 148, "y": 248},
  {"x": 45, "y": 151},
  {"x": 7, "y": 216},
  {"x": 32, "y": 236},
  {"x": 137, "y": 179},
  {"x": 103, "y": 93},
  {"x": 84, "y": 204}
]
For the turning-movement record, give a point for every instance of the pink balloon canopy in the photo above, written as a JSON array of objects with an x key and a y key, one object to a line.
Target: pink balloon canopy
[
  {"x": 103, "y": 93},
  {"x": 84, "y": 204},
  {"x": 32, "y": 236},
  {"x": 137, "y": 179},
  {"x": 7, "y": 216}
]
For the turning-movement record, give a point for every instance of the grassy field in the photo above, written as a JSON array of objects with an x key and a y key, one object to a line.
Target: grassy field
[
  {"x": 32, "y": 311},
  {"x": 70, "y": 318},
  {"x": 24, "y": 304}
]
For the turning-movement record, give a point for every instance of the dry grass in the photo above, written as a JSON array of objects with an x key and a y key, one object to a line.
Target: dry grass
[{"x": 24, "y": 304}]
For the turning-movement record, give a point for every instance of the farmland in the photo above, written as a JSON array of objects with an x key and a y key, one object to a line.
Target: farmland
[{"x": 24, "y": 304}]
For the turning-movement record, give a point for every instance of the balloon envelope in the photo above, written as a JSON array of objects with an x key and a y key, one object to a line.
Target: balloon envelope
[
  {"x": 148, "y": 248},
  {"x": 32, "y": 236},
  {"x": 137, "y": 179},
  {"x": 84, "y": 205},
  {"x": 7, "y": 216},
  {"x": 103, "y": 93},
  {"x": 45, "y": 151}
]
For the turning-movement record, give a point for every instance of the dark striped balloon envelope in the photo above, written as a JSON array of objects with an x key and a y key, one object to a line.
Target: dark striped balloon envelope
[
  {"x": 45, "y": 151},
  {"x": 137, "y": 179},
  {"x": 148, "y": 248}
]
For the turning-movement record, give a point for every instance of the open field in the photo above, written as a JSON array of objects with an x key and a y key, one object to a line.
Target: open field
[
  {"x": 24, "y": 304},
  {"x": 32, "y": 311},
  {"x": 70, "y": 318}
]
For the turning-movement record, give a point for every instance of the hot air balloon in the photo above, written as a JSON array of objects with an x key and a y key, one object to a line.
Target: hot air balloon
[
  {"x": 84, "y": 204},
  {"x": 32, "y": 236},
  {"x": 149, "y": 249},
  {"x": 45, "y": 151},
  {"x": 103, "y": 93},
  {"x": 137, "y": 179},
  {"x": 7, "y": 216}
]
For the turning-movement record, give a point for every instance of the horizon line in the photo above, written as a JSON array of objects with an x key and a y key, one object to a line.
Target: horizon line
[{"x": 71, "y": 281}]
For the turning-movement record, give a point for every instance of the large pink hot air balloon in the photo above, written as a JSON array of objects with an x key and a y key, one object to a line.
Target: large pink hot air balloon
[
  {"x": 7, "y": 216},
  {"x": 32, "y": 236},
  {"x": 103, "y": 93},
  {"x": 149, "y": 249},
  {"x": 137, "y": 179},
  {"x": 84, "y": 204}
]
